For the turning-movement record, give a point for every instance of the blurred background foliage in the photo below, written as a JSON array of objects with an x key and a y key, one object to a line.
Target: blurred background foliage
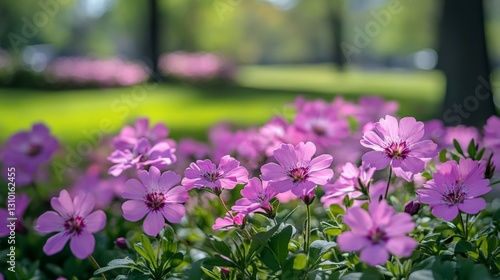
[{"x": 282, "y": 48}]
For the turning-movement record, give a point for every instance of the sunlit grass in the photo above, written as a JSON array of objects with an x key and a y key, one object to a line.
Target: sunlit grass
[{"x": 262, "y": 92}]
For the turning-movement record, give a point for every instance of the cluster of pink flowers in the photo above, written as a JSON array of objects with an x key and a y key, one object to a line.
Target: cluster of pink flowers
[
  {"x": 196, "y": 67},
  {"x": 82, "y": 71},
  {"x": 280, "y": 160},
  {"x": 140, "y": 147}
]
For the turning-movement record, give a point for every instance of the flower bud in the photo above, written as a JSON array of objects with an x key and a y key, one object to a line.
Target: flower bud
[
  {"x": 308, "y": 198},
  {"x": 121, "y": 243},
  {"x": 412, "y": 207}
]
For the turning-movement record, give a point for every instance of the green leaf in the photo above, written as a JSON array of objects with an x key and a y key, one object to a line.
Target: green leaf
[
  {"x": 140, "y": 250},
  {"x": 300, "y": 262},
  {"x": 117, "y": 263},
  {"x": 425, "y": 275},
  {"x": 269, "y": 259},
  {"x": 176, "y": 260},
  {"x": 218, "y": 260},
  {"x": 336, "y": 209},
  {"x": 463, "y": 246},
  {"x": 147, "y": 246},
  {"x": 211, "y": 274},
  {"x": 332, "y": 231},
  {"x": 457, "y": 147},
  {"x": 279, "y": 243},
  {"x": 480, "y": 154},
  {"x": 259, "y": 241},
  {"x": 471, "y": 149},
  {"x": 442, "y": 156},
  {"x": 220, "y": 246},
  {"x": 318, "y": 248},
  {"x": 370, "y": 275}
]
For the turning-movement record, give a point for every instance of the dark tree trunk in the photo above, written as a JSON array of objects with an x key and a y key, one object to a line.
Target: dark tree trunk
[
  {"x": 336, "y": 13},
  {"x": 464, "y": 60},
  {"x": 153, "y": 39}
]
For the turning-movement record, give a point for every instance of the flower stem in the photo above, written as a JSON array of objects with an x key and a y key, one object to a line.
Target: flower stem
[
  {"x": 225, "y": 207},
  {"x": 96, "y": 265},
  {"x": 464, "y": 226},
  {"x": 307, "y": 238},
  {"x": 388, "y": 182}
]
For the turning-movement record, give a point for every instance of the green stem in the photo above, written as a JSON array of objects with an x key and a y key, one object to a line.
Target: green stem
[
  {"x": 388, "y": 182},
  {"x": 464, "y": 229},
  {"x": 307, "y": 238},
  {"x": 96, "y": 265},
  {"x": 245, "y": 231}
]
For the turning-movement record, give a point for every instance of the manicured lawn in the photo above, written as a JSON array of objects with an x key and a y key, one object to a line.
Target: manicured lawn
[{"x": 189, "y": 110}]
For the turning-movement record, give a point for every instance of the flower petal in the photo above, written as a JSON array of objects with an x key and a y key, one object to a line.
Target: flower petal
[
  {"x": 84, "y": 203},
  {"x": 134, "y": 189},
  {"x": 153, "y": 223},
  {"x": 49, "y": 221},
  {"x": 169, "y": 179},
  {"x": 349, "y": 241},
  {"x": 285, "y": 155},
  {"x": 134, "y": 210},
  {"x": 272, "y": 172},
  {"x": 95, "y": 221},
  {"x": 358, "y": 220},
  {"x": 376, "y": 159},
  {"x": 56, "y": 243},
  {"x": 445, "y": 212},
  {"x": 401, "y": 246},
  {"x": 374, "y": 255},
  {"x": 472, "y": 205},
  {"x": 82, "y": 245},
  {"x": 174, "y": 212},
  {"x": 400, "y": 224}
]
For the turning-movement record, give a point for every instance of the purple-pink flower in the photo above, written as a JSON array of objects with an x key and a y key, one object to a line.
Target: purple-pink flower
[
  {"x": 204, "y": 173},
  {"x": 398, "y": 145},
  {"x": 27, "y": 150},
  {"x": 297, "y": 170},
  {"x": 229, "y": 221},
  {"x": 142, "y": 156},
  {"x": 377, "y": 233},
  {"x": 319, "y": 123},
  {"x": 256, "y": 196},
  {"x": 456, "y": 187},
  {"x": 157, "y": 196},
  {"x": 72, "y": 220},
  {"x": 130, "y": 136},
  {"x": 20, "y": 203}
]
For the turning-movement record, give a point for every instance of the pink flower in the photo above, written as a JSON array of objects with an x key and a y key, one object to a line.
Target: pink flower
[
  {"x": 74, "y": 221},
  {"x": 26, "y": 151},
  {"x": 21, "y": 202},
  {"x": 398, "y": 145},
  {"x": 319, "y": 123},
  {"x": 348, "y": 183},
  {"x": 229, "y": 222},
  {"x": 156, "y": 196},
  {"x": 297, "y": 171},
  {"x": 463, "y": 134},
  {"x": 204, "y": 173},
  {"x": 256, "y": 196},
  {"x": 130, "y": 136},
  {"x": 377, "y": 233},
  {"x": 456, "y": 187},
  {"x": 492, "y": 137},
  {"x": 160, "y": 155},
  {"x": 103, "y": 189}
]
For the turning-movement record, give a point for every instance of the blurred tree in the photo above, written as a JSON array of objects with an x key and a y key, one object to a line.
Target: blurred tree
[
  {"x": 154, "y": 52},
  {"x": 336, "y": 19},
  {"x": 463, "y": 57}
]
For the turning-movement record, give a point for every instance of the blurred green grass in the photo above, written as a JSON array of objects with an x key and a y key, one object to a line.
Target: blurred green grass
[{"x": 260, "y": 93}]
